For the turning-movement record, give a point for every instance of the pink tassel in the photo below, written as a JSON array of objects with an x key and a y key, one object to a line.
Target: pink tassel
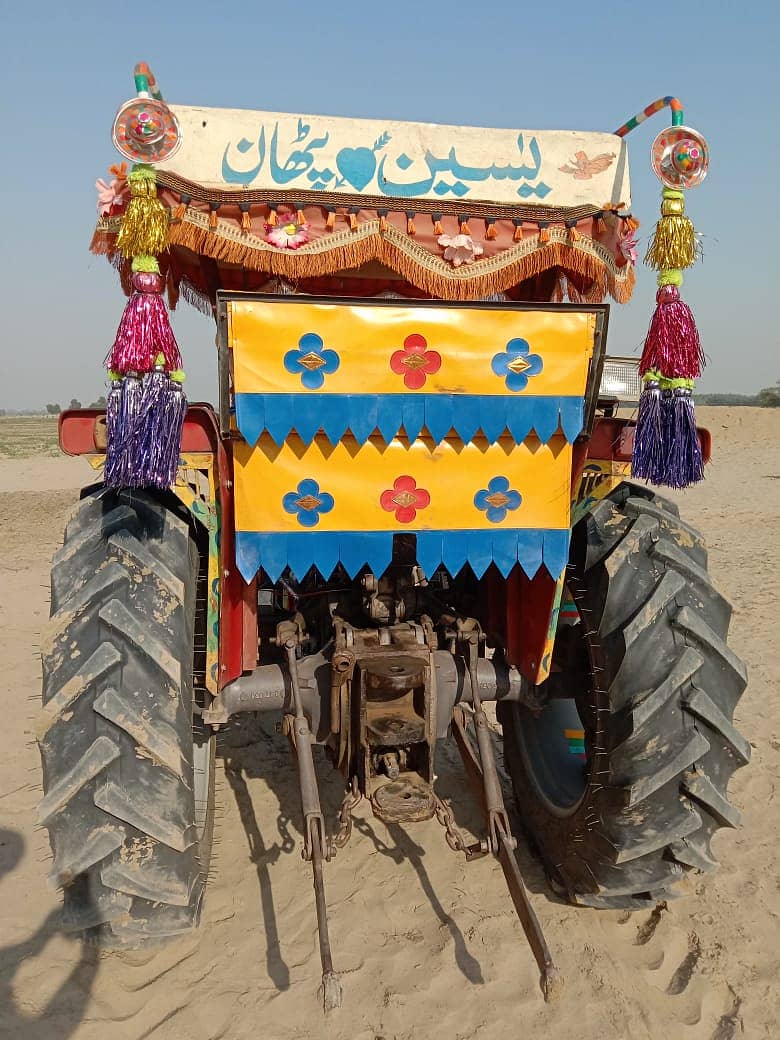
[
  {"x": 672, "y": 345},
  {"x": 145, "y": 330}
]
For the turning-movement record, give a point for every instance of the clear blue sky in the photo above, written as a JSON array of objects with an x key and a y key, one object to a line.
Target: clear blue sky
[{"x": 66, "y": 68}]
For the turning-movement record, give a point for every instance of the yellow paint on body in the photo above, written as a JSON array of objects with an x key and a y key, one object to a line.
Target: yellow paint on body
[
  {"x": 365, "y": 337},
  {"x": 357, "y": 476}
]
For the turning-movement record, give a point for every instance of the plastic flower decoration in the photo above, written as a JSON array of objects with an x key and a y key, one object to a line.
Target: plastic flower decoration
[
  {"x": 119, "y": 171},
  {"x": 287, "y": 234},
  {"x": 460, "y": 249},
  {"x": 112, "y": 193},
  {"x": 628, "y": 247}
]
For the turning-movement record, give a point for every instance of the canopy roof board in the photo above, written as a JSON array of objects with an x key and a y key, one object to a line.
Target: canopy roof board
[{"x": 419, "y": 209}]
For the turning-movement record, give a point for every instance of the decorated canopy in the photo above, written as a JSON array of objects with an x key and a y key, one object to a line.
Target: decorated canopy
[
  {"x": 233, "y": 200},
  {"x": 415, "y": 209}
]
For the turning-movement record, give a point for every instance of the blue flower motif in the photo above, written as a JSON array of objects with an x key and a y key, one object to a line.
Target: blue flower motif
[
  {"x": 497, "y": 499},
  {"x": 311, "y": 361},
  {"x": 308, "y": 502},
  {"x": 516, "y": 363}
]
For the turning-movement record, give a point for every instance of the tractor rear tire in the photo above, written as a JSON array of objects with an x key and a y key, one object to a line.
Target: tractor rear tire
[
  {"x": 128, "y": 779},
  {"x": 621, "y": 779}
]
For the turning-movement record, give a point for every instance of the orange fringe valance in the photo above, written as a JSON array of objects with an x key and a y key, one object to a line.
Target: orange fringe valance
[{"x": 579, "y": 256}]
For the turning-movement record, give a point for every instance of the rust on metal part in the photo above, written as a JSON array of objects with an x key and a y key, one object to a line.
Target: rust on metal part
[{"x": 409, "y": 799}]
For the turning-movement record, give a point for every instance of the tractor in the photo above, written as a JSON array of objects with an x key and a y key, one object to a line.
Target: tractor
[{"x": 413, "y": 498}]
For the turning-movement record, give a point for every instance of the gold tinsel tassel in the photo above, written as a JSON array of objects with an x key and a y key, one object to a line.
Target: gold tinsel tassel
[
  {"x": 246, "y": 220},
  {"x": 271, "y": 218},
  {"x": 464, "y": 227},
  {"x": 544, "y": 235},
  {"x": 518, "y": 235},
  {"x": 144, "y": 226},
  {"x": 383, "y": 220},
  {"x": 574, "y": 235},
  {"x": 673, "y": 245},
  {"x": 213, "y": 210},
  {"x": 353, "y": 222},
  {"x": 300, "y": 217},
  {"x": 410, "y": 227},
  {"x": 437, "y": 224},
  {"x": 490, "y": 229},
  {"x": 330, "y": 223}
]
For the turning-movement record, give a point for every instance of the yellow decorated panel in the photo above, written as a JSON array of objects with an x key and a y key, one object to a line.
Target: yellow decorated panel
[
  {"x": 395, "y": 487},
  {"x": 285, "y": 345}
]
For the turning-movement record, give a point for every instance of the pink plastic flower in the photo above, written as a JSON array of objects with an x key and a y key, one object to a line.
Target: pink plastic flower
[
  {"x": 628, "y": 247},
  {"x": 288, "y": 234},
  {"x": 109, "y": 195},
  {"x": 460, "y": 249}
]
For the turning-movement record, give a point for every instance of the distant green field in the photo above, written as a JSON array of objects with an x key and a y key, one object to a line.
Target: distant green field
[{"x": 23, "y": 436}]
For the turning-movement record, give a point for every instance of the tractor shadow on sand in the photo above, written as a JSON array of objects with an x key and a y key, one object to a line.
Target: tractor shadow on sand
[{"x": 63, "y": 1012}]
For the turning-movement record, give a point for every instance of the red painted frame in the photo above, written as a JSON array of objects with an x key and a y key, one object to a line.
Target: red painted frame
[
  {"x": 517, "y": 610},
  {"x": 200, "y": 434}
]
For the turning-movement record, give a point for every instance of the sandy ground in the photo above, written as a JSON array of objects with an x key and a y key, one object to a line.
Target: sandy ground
[{"x": 428, "y": 947}]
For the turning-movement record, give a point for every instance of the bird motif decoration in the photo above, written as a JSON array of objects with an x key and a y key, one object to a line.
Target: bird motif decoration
[{"x": 582, "y": 168}]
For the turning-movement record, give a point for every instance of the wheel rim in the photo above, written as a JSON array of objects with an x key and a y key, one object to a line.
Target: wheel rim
[
  {"x": 555, "y": 762},
  {"x": 555, "y": 743}
]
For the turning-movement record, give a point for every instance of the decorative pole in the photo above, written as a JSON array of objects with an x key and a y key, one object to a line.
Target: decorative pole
[
  {"x": 666, "y": 445},
  {"x": 146, "y": 404}
]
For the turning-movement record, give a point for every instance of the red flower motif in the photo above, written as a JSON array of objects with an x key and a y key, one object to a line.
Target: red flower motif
[
  {"x": 415, "y": 362},
  {"x": 404, "y": 499}
]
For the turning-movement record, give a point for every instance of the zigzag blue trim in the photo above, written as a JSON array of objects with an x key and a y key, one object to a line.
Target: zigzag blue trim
[
  {"x": 531, "y": 549},
  {"x": 363, "y": 413}
]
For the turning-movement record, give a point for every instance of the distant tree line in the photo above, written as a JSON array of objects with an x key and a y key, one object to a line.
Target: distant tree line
[
  {"x": 727, "y": 399},
  {"x": 769, "y": 397},
  {"x": 55, "y": 409}
]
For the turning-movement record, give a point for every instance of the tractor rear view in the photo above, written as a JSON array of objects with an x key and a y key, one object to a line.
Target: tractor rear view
[{"x": 412, "y": 500}]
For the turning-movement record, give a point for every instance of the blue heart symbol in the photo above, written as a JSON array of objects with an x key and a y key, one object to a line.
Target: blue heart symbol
[{"x": 357, "y": 166}]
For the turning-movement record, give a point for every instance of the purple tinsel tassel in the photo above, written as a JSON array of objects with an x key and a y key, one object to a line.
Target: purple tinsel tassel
[
  {"x": 144, "y": 333},
  {"x": 158, "y": 443},
  {"x": 672, "y": 345},
  {"x": 121, "y": 432},
  {"x": 684, "y": 464},
  {"x": 113, "y": 455},
  {"x": 648, "y": 458}
]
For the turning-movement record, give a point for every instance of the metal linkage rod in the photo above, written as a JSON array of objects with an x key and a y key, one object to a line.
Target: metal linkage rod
[
  {"x": 316, "y": 847},
  {"x": 483, "y": 774}
]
